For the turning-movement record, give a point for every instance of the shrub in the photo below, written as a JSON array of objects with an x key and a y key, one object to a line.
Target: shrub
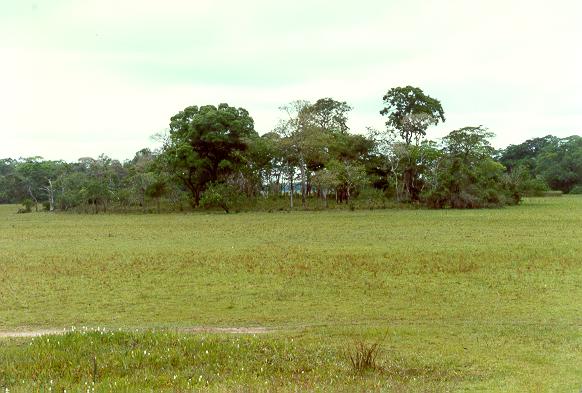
[
  {"x": 577, "y": 190},
  {"x": 534, "y": 187},
  {"x": 220, "y": 195},
  {"x": 371, "y": 198},
  {"x": 27, "y": 204}
]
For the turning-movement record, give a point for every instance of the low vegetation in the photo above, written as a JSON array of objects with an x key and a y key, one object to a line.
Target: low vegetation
[{"x": 459, "y": 300}]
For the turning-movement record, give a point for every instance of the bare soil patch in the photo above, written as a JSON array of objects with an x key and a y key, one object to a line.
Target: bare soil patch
[{"x": 188, "y": 330}]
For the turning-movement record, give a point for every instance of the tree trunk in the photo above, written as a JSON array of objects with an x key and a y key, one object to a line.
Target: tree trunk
[
  {"x": 51, "y": 194},
  {"x": 33, "y": 198},
  {"x": 303, "y": 184},
  {"x": 291, "y": 188}
]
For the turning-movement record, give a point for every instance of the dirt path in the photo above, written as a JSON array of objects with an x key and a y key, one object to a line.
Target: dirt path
[
  {"x": 30, "y": 333},
  {"x": 188, "y": 330}
]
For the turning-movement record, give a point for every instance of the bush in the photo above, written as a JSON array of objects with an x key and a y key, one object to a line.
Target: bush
[
  {"x": 534, "y": 187},
  {"x": 27, "y": 204},
  {"x": 371, "y": 198},
  {"x": 220, "y": 195},
  {"x": 577, "y": 190}
]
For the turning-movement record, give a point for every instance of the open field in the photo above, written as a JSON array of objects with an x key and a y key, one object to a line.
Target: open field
[{"x": 468, "y": 300}]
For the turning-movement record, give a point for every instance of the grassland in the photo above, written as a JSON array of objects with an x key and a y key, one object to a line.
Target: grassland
[{"x": 474, "y": 300}]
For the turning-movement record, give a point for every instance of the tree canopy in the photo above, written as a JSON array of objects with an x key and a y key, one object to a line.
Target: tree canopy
[
  {"x": 410, "y": 112},
  {"x": 206, "y": 144},
  {"x": 212, "y": 157}
]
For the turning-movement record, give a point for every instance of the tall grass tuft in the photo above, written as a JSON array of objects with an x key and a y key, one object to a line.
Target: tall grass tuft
[{"x": 364, "y": 356}]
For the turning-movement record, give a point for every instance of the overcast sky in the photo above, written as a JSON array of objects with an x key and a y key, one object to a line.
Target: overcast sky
[{"x": 84, "y": 77}]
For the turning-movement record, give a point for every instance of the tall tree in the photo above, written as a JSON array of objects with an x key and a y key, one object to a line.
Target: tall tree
[
  {"x": 205, "y": 144},
  {"x": 466, "y": 176},
  {"x": 410, "y": 112}
]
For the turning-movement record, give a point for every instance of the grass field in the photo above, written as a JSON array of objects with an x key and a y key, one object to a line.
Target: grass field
[{"x": 472, "y": 300}]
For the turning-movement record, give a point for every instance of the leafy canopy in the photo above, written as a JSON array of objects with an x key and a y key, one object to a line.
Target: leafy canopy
[
  {"x": 411, "y": 112},
  {"x": 206, "y": 144}
]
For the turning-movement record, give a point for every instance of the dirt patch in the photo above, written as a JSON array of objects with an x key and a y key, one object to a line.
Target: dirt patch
[
  {"x": 188, "y": 330},
  {"x": 31, "y": 333},
  {"x": 229, "y": 330}
]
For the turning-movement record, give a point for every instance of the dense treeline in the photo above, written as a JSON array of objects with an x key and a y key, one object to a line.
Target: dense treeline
[{"x": 212, "y": 156}]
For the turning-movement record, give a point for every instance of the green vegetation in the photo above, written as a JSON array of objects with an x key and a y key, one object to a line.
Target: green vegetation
[
  {"x": 212, "y": 157},
  {"x": 557, "y": 162},
  {"x": 458, "y": 299}
]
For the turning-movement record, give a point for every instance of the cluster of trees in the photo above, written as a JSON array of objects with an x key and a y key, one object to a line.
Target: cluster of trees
[
  {"x": 212, "y": 156},
  {"x": 555, "y": 161},
  {"x": 89, "y": 184}
]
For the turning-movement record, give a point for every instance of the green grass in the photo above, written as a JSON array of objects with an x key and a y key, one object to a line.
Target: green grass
[
  {"x": 171, "y": 362},
  {"x": 468, "y": 300}
]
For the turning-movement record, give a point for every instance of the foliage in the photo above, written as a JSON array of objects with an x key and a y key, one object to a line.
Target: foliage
[
  {"x": 326, "y": 181},
  {"x": 328, "y": 115},
  {"x": 205, "y": 144},
  {"x": 371, "y": 198},
  {"x": 220, "y": 195},
  {"x": 27, "y": 205},
  {"x": 468, "y": 177},
  {"x": 557, "y": 161},
  {"x": 525, "y": 154},
  {"x": 311, "y": 154},
  {"x": 411, "y": 112},
  {"x": 561, "y": 165}
]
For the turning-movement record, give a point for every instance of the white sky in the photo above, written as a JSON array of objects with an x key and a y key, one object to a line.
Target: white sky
[{"x": 84, "y": 77}]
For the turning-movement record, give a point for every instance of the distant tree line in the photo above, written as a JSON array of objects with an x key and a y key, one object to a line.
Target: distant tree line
[{"x": 212, "y": 157}]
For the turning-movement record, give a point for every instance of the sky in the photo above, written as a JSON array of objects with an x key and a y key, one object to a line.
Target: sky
[{"x": 83, "y": 77}]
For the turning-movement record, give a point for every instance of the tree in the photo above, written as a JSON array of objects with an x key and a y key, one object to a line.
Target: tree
[
  {"x": 142, "y": 174},
  {"x": 312, "y": 135},
  {"x": 411, "y": 112},
  {"x": 349, "y": 178},
  {"x": 526, "y": 153},
  {"x": 326, "y": 181},
  {"x": 11, "y": 186},
  {"x": 466, "y": 176},
  {"x": 205, "y": 144},
  {"x": 37, "y": 177},
  {"x": 327, "y": 114},
  {"x": 270, "y": 161},
  {"x": 560, "y": 165},
  {"x": 301, "y": 143},
  {"x": 156, "y": 190},
  {"x": 469, "y": 144}
]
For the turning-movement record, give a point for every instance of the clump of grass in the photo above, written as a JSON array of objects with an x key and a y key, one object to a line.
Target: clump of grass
[{"x": 363, "y": 356}]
